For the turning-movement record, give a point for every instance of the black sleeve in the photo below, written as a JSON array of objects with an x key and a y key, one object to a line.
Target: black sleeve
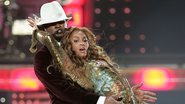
[{"x": 59, "y": 86}]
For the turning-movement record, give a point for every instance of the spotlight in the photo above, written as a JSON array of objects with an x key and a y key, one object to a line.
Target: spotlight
[
  {"x": 127, "y": 50},
  {"x": 7, "y": 2},
  {"x": 112, "y": 24},
  {"x": 142, "y": 37},
  {"x": 127, "y": 10},
  {"x": 127, "y": 24},
  {"x": 112, "y": 10},
  {"x": 142, "y": 50},
  {"x": 97, "y": 24},
  {"x": 112, "y": 37},
  {"x": 97, "y": 10},
  {"x": 127, "y": 37}
]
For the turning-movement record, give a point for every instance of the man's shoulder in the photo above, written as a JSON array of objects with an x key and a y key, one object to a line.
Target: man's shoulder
[{"x": 42, "y": 51}]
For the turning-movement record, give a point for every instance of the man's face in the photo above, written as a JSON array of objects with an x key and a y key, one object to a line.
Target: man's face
[{"x": 53, "y": 27}]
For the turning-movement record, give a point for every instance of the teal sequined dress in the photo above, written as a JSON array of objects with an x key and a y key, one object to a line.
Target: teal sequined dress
[{"x": 108, "y": 82}]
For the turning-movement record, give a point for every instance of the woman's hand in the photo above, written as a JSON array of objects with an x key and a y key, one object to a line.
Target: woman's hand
[{"x": 143, "y": 96}]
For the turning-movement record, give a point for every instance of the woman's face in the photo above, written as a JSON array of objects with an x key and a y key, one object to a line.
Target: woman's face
[{"x": 79, "y": 43}]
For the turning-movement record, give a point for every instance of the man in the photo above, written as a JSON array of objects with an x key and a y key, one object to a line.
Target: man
[{"x": 61, "y": 89}]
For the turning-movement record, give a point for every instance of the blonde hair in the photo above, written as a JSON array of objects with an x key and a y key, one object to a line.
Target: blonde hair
[{"x": 94, "y": 51}]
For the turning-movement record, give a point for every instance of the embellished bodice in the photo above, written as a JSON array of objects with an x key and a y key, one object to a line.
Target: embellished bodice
[
  {"x": 107, "y": 82},
  {"x": 103, "y": 78}
]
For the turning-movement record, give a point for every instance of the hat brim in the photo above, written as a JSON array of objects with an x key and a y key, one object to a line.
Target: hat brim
[{"x": 48, "y": 22}]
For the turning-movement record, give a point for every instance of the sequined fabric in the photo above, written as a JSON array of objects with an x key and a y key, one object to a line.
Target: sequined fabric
[{"x": 106, "y": 82}]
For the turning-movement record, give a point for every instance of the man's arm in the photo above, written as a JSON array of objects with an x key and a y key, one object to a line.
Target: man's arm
[{"x": 59, "y": 86}]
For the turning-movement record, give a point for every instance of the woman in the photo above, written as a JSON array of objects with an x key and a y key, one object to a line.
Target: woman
[
  {"x": 87, "y": 64},
  {"x": 91, "y": 62}
]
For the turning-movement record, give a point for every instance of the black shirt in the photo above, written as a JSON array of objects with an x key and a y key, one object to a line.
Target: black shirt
[{"x": 60, "y": 89}]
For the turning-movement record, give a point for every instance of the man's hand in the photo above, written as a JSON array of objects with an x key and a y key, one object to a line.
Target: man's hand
[
  {"x": 144, "y": 96},
  {"x": 112, "y": 100},
  {"x": 33, "y": 21}
]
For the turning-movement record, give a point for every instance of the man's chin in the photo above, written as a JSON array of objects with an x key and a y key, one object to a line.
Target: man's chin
[
  {"x": 59, "y": 34},
  {"x": 58, "y": 37}
]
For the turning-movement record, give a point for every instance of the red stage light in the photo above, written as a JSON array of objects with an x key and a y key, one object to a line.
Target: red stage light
[
  {"x": 76, "y": 2},
  {"x": 77, "y": 14},
  {"x": 155, "y": 78},
  {"x": 127, "y": 10},
  {"x": 4, "y": 79},
  {"x": 24, "y": 79}
]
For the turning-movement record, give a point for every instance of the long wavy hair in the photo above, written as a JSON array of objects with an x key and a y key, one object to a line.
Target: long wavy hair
[{"x": 94, "y": 51}]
